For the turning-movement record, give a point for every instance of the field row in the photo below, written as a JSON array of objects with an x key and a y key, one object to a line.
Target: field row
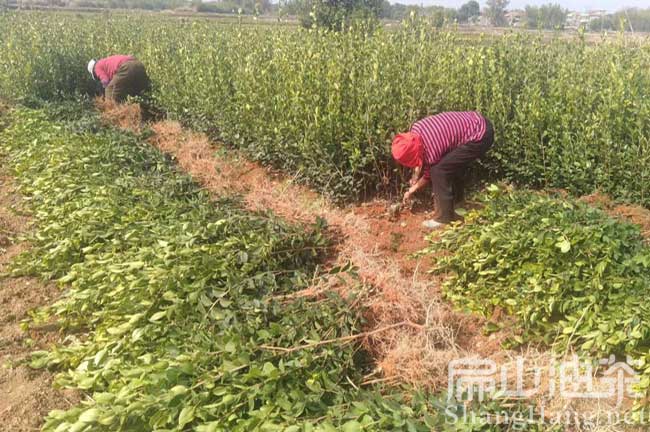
[{"x": 324, "y": 106}]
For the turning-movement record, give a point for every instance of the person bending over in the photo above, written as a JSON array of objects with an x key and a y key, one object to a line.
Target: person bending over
[
  {"x": 439, "y": 148},
  {"x": 120, "y": 75}
]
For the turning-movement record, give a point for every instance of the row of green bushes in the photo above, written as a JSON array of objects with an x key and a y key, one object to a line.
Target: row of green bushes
[{"x": 326, "y": 105}]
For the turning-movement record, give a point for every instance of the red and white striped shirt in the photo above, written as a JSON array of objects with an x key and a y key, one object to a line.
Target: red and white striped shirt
[{"x": 444, "y": 132}]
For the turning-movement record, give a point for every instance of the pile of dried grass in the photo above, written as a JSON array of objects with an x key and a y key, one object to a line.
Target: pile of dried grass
[
  {"x": 635, "y": 214},
  {"x": 126, "y": 115},
  {"x": 417, "y": 333}
]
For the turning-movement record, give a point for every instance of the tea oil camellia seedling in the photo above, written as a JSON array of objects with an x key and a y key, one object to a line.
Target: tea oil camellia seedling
[
  {"x": 324, "y": 105},
  {"x": 569, "y": 274}
]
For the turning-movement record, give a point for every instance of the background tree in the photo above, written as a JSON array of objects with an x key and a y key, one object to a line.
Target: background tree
[
  {"x": 635, "y": 19},
  {"x": 400, "y": 11},
  {"x": 604, "y": 23},
  {"x": 291, "y": 7},
  {"x": 469, "y": 11},
  {"x": 337, "y": 14},
  {"x": 440, "y": 15},
  {"x": 548, "y": 16},
  {"x": 385, "y": 9},
  {"x": 130, "y": 4},
  {"x": 496, "y": 12}
]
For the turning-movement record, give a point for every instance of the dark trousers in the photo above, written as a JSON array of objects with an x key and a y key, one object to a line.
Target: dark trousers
[
  {"x": 447, "y": 175},
  {"x": 130, "y": 80}
]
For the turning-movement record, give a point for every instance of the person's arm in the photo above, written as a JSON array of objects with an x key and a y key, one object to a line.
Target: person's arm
[
  {"x": 417, "y": 185},
  {"x": 101, "y": 74},
  {"x": 416, "y": 175}
]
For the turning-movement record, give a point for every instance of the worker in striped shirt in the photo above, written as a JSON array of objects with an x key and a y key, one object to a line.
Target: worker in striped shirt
[{"x": 439, "y": 148}]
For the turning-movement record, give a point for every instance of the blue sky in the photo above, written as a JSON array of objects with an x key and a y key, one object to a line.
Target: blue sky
[{"x": 579, "y": 5}]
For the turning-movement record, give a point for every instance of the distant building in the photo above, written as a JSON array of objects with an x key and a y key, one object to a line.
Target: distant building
[
  {"x": 575, "y": 20},
  {"x": 516, "y": 18}
]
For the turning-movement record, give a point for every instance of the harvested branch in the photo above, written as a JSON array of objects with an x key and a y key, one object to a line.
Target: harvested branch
[{"x": 345, "y": 339}]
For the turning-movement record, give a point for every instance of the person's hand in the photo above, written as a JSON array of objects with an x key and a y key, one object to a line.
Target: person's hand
[
  {"x": 413, "y": 181},
  {"x": 407, "y": 197}
]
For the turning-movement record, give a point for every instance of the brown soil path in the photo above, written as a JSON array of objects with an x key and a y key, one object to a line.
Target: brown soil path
[
  {"x": 26, "y": 395},
  {"x": 631, "y": 213}
]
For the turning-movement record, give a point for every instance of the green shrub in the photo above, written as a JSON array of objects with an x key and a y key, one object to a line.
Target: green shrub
[{"x": 570, "y": 275}]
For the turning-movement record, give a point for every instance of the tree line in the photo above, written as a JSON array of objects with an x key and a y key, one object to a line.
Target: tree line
[
  {"x": 105, "y": 4},
  {"x": 633, "y": 19},
  {"x": 336, "y": 14}
]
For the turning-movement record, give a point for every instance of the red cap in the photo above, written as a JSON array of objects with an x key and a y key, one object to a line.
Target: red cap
[{"x": 407, "y": 149}]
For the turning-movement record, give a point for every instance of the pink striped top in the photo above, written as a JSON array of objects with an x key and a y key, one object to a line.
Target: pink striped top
[{"x": 444, "y": 132}]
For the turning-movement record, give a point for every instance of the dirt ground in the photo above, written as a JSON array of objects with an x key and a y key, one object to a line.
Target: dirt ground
[
  {"x": 26, "y": 395},
  {"x": 631, "y": 213}
]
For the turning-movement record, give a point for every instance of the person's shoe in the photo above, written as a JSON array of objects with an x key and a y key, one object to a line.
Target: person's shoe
[{"x": 432, "y": 224}]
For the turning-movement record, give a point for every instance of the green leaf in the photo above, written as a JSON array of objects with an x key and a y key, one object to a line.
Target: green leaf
[
  {"x": 158, "y": 316},
  {"x": 564, "y": 245},
  {"x": 178, "y": 390},
  {"x": 351, "y": 426},
  {"x": 89, "y": 416},
  {"x": 186, "y": 416}
]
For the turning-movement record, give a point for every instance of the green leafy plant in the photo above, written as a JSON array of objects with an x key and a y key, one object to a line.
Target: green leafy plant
[{"x": 569, "y": 275}]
